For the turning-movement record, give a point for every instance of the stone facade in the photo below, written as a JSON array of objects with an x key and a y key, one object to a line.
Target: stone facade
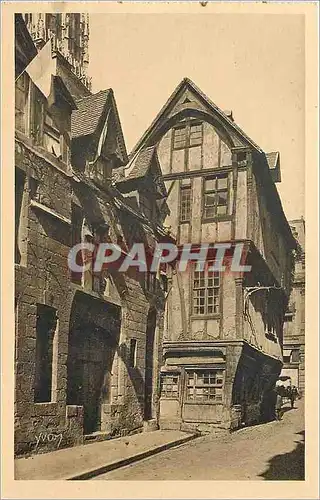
[
  {"x": 88, "y": 346},
  {"x": 294, "y": 328},
  {"x": 223, "y": 331}
]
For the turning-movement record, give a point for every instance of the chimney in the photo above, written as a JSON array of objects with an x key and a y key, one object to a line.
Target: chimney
[{"x": 229, "y": 114}]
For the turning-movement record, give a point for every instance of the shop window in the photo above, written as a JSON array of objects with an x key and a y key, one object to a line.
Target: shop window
[
  {"x": 45, "y": 334},
  {"x": 21, "y": 102},
  {"x": 185, "y": 203},
  {"x": 215, "y": 196},
  {"x": 205, "y": 386},
  {"x": 133, "y": 353},
  {"x": 206, "y": 291},
  {"x": 169, "y": 386}
]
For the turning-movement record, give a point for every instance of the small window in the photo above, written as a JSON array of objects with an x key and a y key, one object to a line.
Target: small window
[
  {"x": 185, "y": 203},
  {"x": 170, "y": 386},
  {"x": 205, "y": 386},
  {"x": 196, "y": 134},
  {"x": 216, "y": 196},
  {"x": 51, "y": 137},
  {"x": 288, "y": 317},
  {"x": 45, "y": 333},
  {"x": 133, "y": 353},
  {"x": 180, "y": 137},
  {"x": 19, "y": 190},
  {"x": 187, "y": 135},
  {"x": 206, "y": 291},
  {"x": 242, "y": 156}
]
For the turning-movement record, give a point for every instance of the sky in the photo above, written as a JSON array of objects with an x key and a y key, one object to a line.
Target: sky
[{"x": 251, "y": 64}]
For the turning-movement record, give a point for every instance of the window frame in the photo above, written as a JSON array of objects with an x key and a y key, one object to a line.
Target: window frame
[
  {"x": 52, "y": 132},
  {"x": 215, "y": 192},
  {"x": 193, "y": 374},
  {"x": 26, "y": 94},
  {"x": 175, "y": 395},
  {"x": 187, "y": 127},
  {"x": 183, "y": 203},
  {"x": 215, "y": 290}
]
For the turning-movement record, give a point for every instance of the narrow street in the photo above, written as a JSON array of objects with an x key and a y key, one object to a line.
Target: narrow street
[{"x": 272, "y": 451}]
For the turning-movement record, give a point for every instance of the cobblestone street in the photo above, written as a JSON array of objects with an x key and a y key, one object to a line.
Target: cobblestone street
[{"x": 272, "y": 451}]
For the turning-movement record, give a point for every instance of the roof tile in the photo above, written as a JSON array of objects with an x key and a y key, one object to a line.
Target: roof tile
[{"x": 85, "y": 119}]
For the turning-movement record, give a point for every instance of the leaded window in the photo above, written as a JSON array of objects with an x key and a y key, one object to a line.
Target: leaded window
[
  {"x": 206, "y": 291},
  {"x": 216, "y": 195},
  {"x": 185, "y": 203},
  {"x": 169, "y": 385},
  {"x": 187, "y": 135},
  {"x": 205, "y": 385}
]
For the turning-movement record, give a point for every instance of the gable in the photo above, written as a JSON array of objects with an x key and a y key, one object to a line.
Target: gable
[
  {"x": 188, "y": 99},
  {"x": 144, "y": 172},
  {"x": 97, "y": 119}
]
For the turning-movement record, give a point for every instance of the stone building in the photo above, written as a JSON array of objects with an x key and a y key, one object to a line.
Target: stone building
[
  {"x": 88, "y": 345},
  {"x": 294, "y": 327},
  {"x": 223, "y": 334}
]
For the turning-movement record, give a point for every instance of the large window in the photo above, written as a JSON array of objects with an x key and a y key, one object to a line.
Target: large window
[
  {"x": 187, "y": 135},
  {"x": 205, "y": 386},
  {"x": 215, "y": 196},
  {"x": 170, "y": 385},
  {"x": 206, "y": 291},
  {"x": 185, "y": 203}
]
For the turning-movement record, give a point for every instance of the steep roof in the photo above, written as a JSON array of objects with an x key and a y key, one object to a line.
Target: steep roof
[
  {"x": 225, "y": 116},
  {"x": 85, "y": 119},
  {"x": 141, "y": 163},
  {"x": 91, "y": 114}
]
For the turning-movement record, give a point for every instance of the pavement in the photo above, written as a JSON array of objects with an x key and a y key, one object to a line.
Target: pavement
[
  {"x": 89, "y": 460},
  {"x": 273, "y": 451}
]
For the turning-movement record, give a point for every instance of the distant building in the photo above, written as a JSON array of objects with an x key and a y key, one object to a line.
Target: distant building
[
  {"x": 223, "y": 335},
  {"x": 88, "y": 345},
  {"x": 294, "y": 327},
  {"x": 69, "y": 33}
]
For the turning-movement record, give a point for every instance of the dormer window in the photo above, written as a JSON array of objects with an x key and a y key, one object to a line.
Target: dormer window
[{"x": 187, "y": 135}]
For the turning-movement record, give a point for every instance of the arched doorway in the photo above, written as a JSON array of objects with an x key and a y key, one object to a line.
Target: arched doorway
[
  {"x": 93, "y": 339},
  {"x": 149, "y": 362}
]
